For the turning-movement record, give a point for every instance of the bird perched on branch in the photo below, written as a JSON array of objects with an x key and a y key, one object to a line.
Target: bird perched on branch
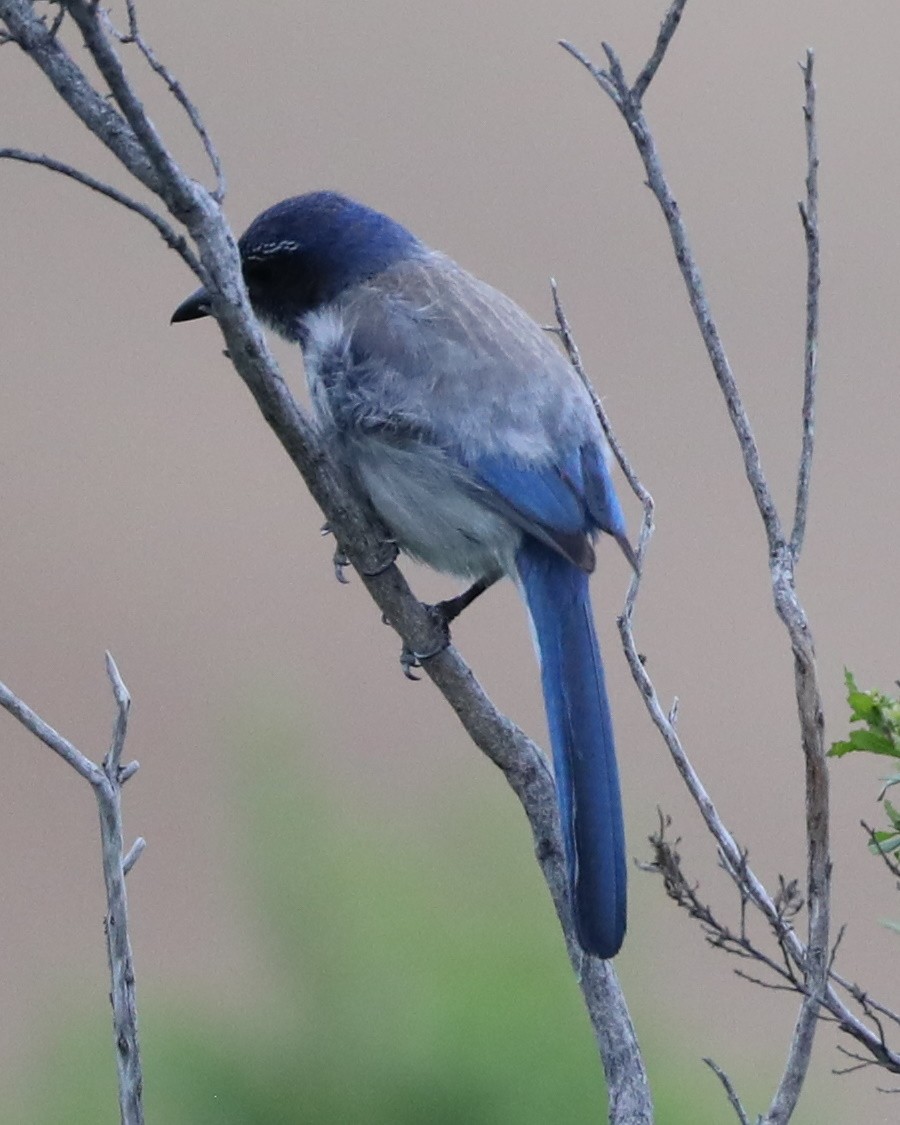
[{"x": 475, "y": 441}]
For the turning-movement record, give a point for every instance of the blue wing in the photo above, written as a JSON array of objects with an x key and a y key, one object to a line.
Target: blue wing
[{"x": 562, "y": 504}]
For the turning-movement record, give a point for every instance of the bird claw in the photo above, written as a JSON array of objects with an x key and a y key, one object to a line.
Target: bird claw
[
  {"x": 409, "y": 659},
  {"x": 339, "y": 559},
  {"x": 340, "y": 562}
]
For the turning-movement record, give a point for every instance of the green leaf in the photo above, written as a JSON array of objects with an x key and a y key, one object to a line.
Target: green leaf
[
  {"x": 873, "y": 742},
  {"x": 881, "y": 715},
  {"x": 864, "y": 740},
  {"x": 862, "y": 706}
]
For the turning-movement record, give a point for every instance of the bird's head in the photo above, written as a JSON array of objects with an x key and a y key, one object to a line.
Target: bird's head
[{"x": 304, "y": 252}]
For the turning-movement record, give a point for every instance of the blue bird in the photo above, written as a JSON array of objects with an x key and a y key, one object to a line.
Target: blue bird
[{"x": 461, "y": 422}]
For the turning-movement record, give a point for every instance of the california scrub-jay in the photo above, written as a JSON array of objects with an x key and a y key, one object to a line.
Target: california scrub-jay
[{"x": 478, "y": 446}]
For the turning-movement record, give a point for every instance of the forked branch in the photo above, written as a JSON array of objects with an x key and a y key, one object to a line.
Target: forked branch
[{"x": 106, "y": 780}]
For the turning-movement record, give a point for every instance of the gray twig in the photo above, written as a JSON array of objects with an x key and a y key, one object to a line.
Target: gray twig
[
  {"x": 45, "y": 48},
  {"x": 59, "y": 745},
  {"x": 646, "y": 500},
  {"x": 177, "y": 91},
  {"x": 597, "y": 73},
  {"x": 176, "y": 242},
  {"x": 809, "y": 216},
  {"x": 92, "y": 25},
  {"x": 107, "y": 785},
  {"x": 666, "y": 32},
  {"x": 134, "y": 854},
  {"x": 730, "y": 1091}
]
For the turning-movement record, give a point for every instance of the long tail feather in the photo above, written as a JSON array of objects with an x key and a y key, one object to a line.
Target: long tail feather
[{"x": 584, "y": 761}]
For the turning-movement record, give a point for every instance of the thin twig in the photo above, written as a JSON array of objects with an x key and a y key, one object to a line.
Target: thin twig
[
  {"x": 733, "y": 1098},
  {"x": 890, "y": 862},
  {"x": 175, "y": 88},
  {"x": 173, "y": 185},
  {"x": 176, "y": 242},
  {"x": 134, "y": 854},
  {"x": 59, "y": 745},
  {"x": 646, "y": 500},
  {"x": 46, "y": 49},
  {"x": 696, "y": 290},
  {"x": 120, "y": 729},
  {"x": 118, "y": 944},
  {"x": 667, "y": 30},
  {"x": 572, "y": 351},
  {"x": 809, "y": 215},
  {"x": 599, "y": 75}
]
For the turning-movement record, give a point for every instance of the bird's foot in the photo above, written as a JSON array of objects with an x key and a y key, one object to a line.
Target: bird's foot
[
  {"x": 410, "y": 660},
  {"x": 442, "y": 614},
  {"x": 340, "y": 560}
]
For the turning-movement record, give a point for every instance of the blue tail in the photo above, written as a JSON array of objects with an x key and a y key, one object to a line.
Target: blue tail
[{"x": 584, "y": 758}]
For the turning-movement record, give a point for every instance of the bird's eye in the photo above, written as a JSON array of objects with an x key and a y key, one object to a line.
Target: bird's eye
[{"x": 257, "y": 271}]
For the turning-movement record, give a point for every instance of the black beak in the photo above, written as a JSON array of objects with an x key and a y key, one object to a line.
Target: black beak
[{"x": 193, "y": 308}]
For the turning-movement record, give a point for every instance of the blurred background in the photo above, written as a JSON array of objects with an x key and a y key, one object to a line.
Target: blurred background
[{"x": 338, "y": 917}]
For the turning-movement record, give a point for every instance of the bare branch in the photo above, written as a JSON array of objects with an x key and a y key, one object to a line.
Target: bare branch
[
  {"x": 106, "y": 784},
  {"x": 120, "y": 729},
  {"x": 59, "y": 745},
  {"x": 170, "y": 180},
  {"x": 176, "y": 242},
  {"x": 631, "y": 111},
  {"x": 814, "y": 958},
  {"x": 634, "y": 482},
  {"x": 733, "y": 1098},
  {"x": 667, "y": 30},
  {"x": 175, "y": 88},
  {"x": 572, "y": 351},
  {"x": 667, "y": 863},
  {"x": 134, "y": 854},
  {"x": 45, "y": 48},
  {"x": 600, "y": 76},
  {"x": 809, "y": 214}
]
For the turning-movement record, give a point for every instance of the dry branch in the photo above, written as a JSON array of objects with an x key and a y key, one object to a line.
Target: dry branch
[{"x": 107, "y": 780}]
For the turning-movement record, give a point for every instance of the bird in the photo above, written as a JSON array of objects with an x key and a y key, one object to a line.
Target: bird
[{"x": 460, "y": 421}]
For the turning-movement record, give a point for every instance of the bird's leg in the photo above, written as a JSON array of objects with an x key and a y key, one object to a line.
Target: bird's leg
[
  {"x": 450, "y": 609},
  {"x": 442, "y": 613}
]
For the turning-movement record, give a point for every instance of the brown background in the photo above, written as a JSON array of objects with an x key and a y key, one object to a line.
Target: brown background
[{"x": 146, "y": 509}]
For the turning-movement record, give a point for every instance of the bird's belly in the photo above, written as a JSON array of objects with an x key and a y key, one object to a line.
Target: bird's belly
[{"x": 430, "y": 511}]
